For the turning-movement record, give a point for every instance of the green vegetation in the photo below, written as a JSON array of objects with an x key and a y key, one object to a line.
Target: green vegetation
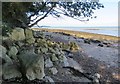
[{"x": 20, "y": 14}]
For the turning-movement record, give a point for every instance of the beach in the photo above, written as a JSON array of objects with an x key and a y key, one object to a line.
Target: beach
[
  {"x": 100, "y": 52},
  {"x": 60, "y": 56}
]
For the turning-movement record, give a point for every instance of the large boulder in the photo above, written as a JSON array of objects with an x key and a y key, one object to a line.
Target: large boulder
[
  {"x": 32, "y": 64},
  {"x": 29, "y": 36},
  {"x": 17, "y": 34},
  {"x": 10, "y": 71}
]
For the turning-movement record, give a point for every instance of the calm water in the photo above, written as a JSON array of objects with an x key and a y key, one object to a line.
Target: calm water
[{"x": 99, "y": 30}]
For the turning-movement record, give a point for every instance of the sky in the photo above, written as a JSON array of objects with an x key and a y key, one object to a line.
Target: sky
[{"x": 107, "y": 16}]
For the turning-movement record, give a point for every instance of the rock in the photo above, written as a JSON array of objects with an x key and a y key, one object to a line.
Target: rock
[
  {"x": 96, "y": 78},
  {"x": 7, "y": 59},
  {"x": 85, "y": 80},
  {"x": 42, "y": 43},
  {"x": 7, "y": 43},
  {"x": 101, "y": 45},
  {"x": 49, "y": 79},
  {"x": 20, "y": 44},
  {"x": 53, "y": 70},
  {"x": 33, "y": 64},
  {"x": 50, "y": 43},
  {"x": 13, "y": 52},
  {"x": 65, "y": 47},
  {"x": 10, "y": 71},
  {"x": 48, "y": 63},
  {"x": 29, "y": 36},
  {"x": 30, "y": 41},
  {"x": 75, "y": 65},
  {"x": 60, "y": 57},
  {"x": 44, "y": 50},
  {"x": 65, "y": 61},
  {"x": 3, "y": 55},
  {"x": 87, "y": 41},
  {"x": 17, "y": 34},
  {"x": 96, "y": 81},
  {"x": 3, "y": 51},
  {"x": 95, "y": 41},
  {"x": 38, "y": 34},
  {"x": 54, "y": 58},
  {"x": 1, "y": 72},
  {"x": 28, "y": 33},
  {"x": 97, "y": 75},
  {"x": 73, "y": 46},
  {"x": 52, "y": 50}
]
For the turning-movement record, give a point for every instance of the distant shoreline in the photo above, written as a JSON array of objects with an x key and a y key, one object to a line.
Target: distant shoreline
[
  {"x": 82, "y": 34},
  {"x": 113, "y": 31}
]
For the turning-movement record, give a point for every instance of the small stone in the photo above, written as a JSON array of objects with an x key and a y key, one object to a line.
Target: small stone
[
  {"x": 97, "y": 75},
  {"x": 53, "y": 70},
  {"x": 65, "y": 61},
  {"x": 13, "y": 52},
  {"x": 48, "y": 63},
  {"x": 44, "y": 50},
  {"x": 101, "y": 45},
  {"x": 49, "y": 79},
  {"x": 3, "y": 51},
  {"x": 52, "y": 50},
  {"x": 96, "y": 81},
  {"x": 54, "y": 58},
  {"x": 87, "y": 41}
]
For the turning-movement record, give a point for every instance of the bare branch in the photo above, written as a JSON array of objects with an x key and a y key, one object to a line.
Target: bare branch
[{"x": 41, "y": 18}]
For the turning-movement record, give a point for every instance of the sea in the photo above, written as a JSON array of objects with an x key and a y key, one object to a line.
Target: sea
[{"x": 106, "y": 30}]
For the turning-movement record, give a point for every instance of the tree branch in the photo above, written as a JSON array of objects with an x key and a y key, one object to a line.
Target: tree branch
[{"x": 41, "y": 18}]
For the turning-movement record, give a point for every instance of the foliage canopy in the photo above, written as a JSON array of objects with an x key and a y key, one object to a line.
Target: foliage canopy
[{"x": 20, "y": 14}]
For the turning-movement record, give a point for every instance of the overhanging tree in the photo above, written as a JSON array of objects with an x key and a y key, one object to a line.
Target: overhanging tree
[{"x": 28, "y": 14}]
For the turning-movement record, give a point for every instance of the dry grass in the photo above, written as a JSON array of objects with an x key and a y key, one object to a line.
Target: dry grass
[{"x": 82, "y": 34}]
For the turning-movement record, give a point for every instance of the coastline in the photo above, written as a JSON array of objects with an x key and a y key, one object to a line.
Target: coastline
[{"x": 81, "y": 34}]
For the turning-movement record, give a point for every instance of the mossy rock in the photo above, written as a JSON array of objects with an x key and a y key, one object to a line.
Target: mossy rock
[
  {"x": 73, "y": 46},
  {"x": 17, "y": 34},
  {"x": 29, "y": 36},
  {"x": 65, "y": 47},
  {"x": 42, "y": 43}
]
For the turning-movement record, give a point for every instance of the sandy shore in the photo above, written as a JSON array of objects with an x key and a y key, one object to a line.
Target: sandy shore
[{"x": 82, "y": 34}]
